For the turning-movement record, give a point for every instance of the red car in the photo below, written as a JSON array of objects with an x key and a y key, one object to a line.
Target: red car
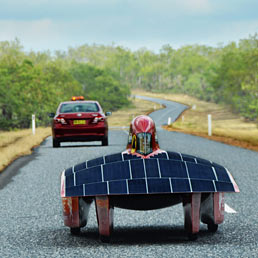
[{"x": 79, "y": 120}]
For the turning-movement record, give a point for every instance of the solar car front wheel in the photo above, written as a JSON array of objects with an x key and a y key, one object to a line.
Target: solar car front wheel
[
  {"x": 56, "y": 143},
  {"x": 75, "y": 231},
  {"x": 212, "y": 227}
]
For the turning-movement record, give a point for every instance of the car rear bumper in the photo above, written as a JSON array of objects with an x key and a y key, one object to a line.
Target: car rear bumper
[{"x": 80, "y": 134}]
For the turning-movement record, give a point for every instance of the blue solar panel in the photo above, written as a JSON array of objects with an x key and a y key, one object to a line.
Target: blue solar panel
[
  {"x": 180, "y": 185},
  {"x": 118, "y": 187},
  {"x": 152, "y": 169},
  {"x": 69, "y": 180},
  {"x": 159, "y": 186},
  {"x": 137, "y": 186},
  {"x": 164, "y": 173},
  {"x": 224, "y": 187},
  {"x": 68, "y": 171},
  {"x": 95, "y": 162},
  {"x": 90, "y": 175},
  {"x": 203, "y": 161},
  {"x": 116, "y": 171},
  {"x": 189, "y": 158},
  {"x": 174, "y": 155},
  {"x": 113, "y": 158},
  {"x": 130, "y": 156},
  {"x": 96, "y": 189},
  {"x": 198, "y": 171},
  {"x": 222, "y": 174},
  {"x": 74, "y": 191},
  {"x": 80, "y": 166},
  {"x": 172, "y": 168},
  {"x": 137, "y": 168},
  {"x": 160, "y": 156},
  {"x": 202, "y": 185}
]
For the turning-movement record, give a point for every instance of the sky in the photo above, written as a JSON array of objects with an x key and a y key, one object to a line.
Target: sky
[{"x": 59, "y": 24}]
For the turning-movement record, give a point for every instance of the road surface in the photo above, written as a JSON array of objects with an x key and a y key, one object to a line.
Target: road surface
[{"x": 31, "y": 216}]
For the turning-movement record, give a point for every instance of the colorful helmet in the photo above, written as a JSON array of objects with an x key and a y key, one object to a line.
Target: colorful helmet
[{"x": 142, "y": 136}]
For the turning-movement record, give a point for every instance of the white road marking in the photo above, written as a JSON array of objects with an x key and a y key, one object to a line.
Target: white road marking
[{"x": 228, "y": 209}]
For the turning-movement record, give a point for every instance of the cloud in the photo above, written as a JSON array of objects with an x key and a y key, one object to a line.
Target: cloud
[{"x": 39, "y": 34}]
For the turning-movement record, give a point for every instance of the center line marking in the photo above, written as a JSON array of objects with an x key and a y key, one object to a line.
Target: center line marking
[{"x": 228, "y": 209}]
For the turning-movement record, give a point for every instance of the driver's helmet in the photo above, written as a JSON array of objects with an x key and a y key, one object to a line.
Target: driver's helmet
[{"x": 142, "y": 136}]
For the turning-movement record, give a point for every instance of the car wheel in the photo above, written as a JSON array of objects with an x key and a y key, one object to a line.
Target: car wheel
[
  {"x": 105, "y": 141},
  {"x": 75, "y": 231},
  {"x": 56, "y": 143},
  {"x": 212, "y": 227}
]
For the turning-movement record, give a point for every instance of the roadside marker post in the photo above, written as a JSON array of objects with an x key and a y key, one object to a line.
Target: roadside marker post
[
  {"x": 33, "y": 124},
  {"x": 169, "y": 121},
  {"x": 209, "y": 125},
  {"x": 183, "y": 118}
]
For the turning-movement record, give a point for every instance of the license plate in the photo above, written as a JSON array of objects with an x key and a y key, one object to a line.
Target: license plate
[{"x": 79, "y": 122}]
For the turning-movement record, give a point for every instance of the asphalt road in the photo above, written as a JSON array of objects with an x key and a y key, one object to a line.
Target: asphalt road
[{"x": 31, "y": 217}]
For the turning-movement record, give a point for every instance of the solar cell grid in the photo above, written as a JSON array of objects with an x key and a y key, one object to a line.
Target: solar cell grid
[
  {"x": 113, "y": 158},
  {"x": 172, "y": 168},
  {"x": 152, "y": 169},
  {"x": 95, "y": 189},
  {"x": 222, "y": 174},
  {"x": 74, "y": 191},
  {"x": 118, "y": 187},
  {"x": 180, "y": 185},
  {"x": 174, "y": 155},
  {"x": 90, "y": 175},
  {"x": 202, "y": 185},
  {"x": 159, "y": 185},
  {"x": 95, "y": 162},
  {"x": 199, "y": 171},
  {"x": 224, "y": 187},
  {"x": 130, "y": 156},
  {"x": 69, "y": 180},
  {"x": 137, "y": 168},
  {"x": 80, "y": 166},
  {"x": 116, "y": 171},
  {"x": 137, "y": 186},
  {"x": 69, "y": 171}
]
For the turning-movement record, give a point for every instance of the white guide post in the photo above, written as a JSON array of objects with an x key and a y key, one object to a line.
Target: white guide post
[
  {"x": 154, "y": 107},
  {"x": 33, "y": 124},
  {"x": 169, "y": 121},
  {"x": 183, "y": 118},
  {"x": 209, "y": 125}
]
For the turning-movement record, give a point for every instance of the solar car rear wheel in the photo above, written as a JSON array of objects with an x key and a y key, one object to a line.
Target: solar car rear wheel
[
  {"x": 104, "y": 239},
  {"x": 56, "y": 143},
  {"x": 105, "y": 141},
  {"x": 192, "y": 237},
  {"x": 212, "y": 227},
  {"x": 75, "y": 231}
]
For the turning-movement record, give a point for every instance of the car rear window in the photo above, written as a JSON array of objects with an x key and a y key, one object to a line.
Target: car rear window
[{"x": 78, "y": 107}]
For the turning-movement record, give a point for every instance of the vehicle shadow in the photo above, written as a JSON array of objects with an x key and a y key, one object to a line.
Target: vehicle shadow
[{"x": 122, "y": 236}]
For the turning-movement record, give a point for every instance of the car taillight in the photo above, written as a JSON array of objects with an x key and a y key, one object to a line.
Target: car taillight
[
  {"x": 98, "y": 119},
  {"x": 60, "y": 120}
]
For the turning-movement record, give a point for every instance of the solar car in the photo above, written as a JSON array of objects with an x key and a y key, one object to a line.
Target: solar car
[
  {"x": 79, "y": 120},
  {"x": 144, "y": 177}
]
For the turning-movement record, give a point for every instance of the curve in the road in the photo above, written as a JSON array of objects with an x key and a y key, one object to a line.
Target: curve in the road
[{"x": 172, "y": 110}]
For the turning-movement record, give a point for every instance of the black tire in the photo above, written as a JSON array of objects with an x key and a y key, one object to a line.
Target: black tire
[
  {"x": 75, "y": 231},
  {"x": 212, "y": 227},
  {"x": 105, "y": 141},
  {"x": 192, "y": 237},
  {"x": 56, "y": 143},
  {"x": 104, "y": 239}
]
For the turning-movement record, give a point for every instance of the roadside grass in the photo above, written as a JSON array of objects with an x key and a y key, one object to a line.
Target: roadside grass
[
  {"x": 227, "y": 127},
  {"x": 15, "y": 144}
]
